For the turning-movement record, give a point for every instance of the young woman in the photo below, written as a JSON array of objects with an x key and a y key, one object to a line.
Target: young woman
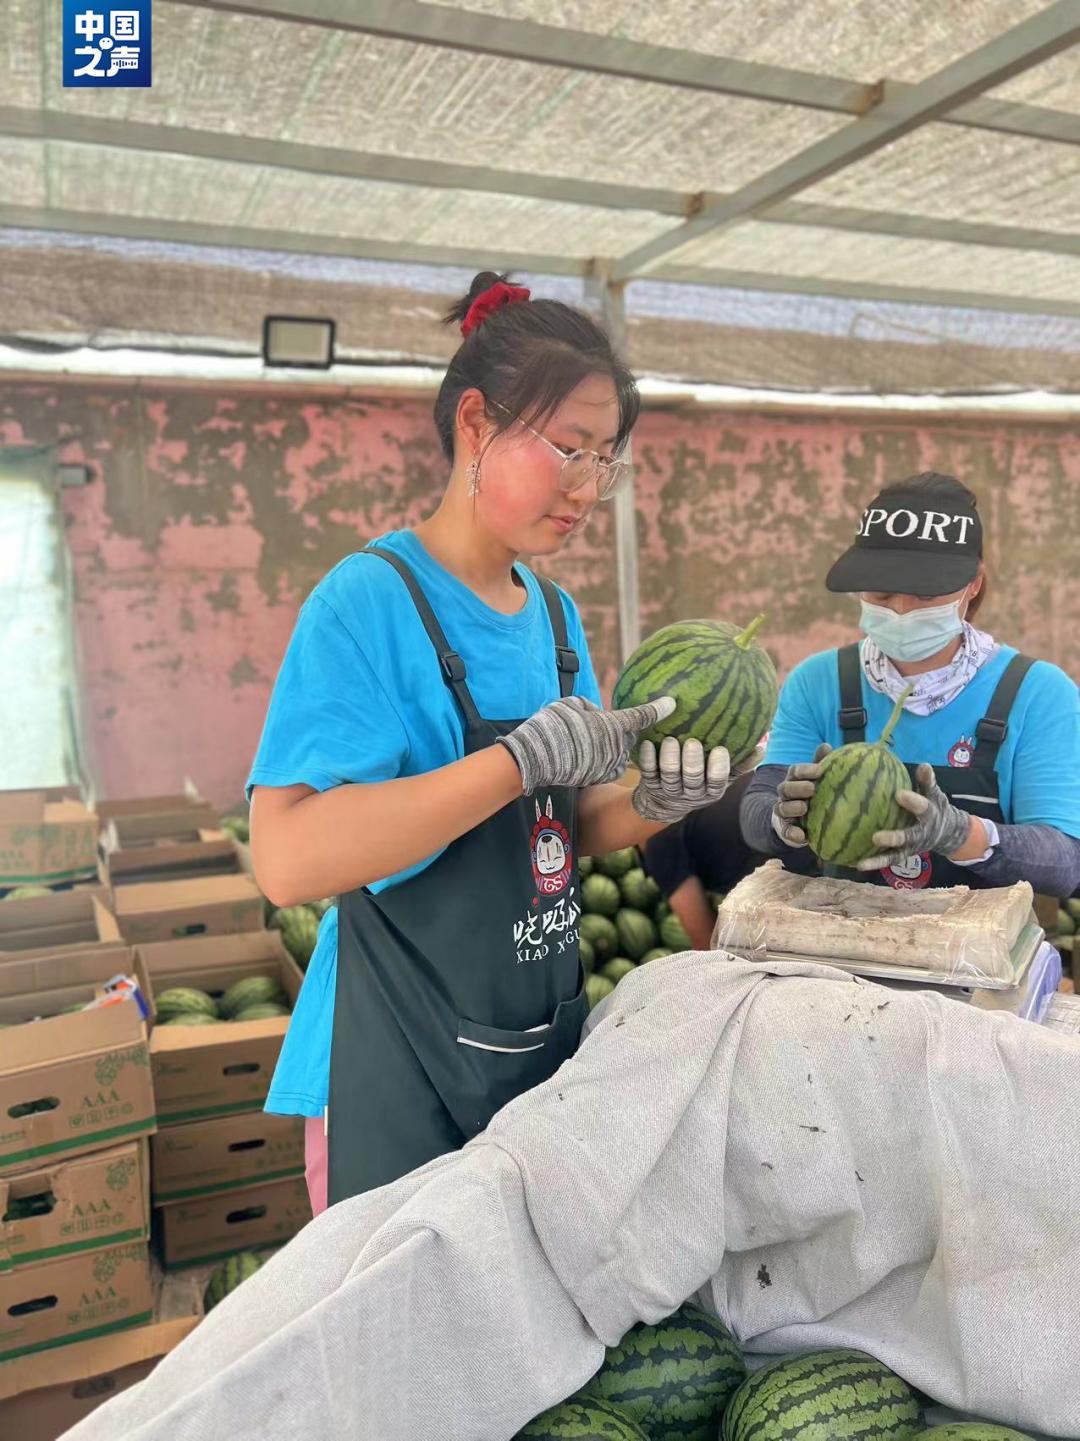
[
  {"x": 992, "y": 737},
  {"x": 436, "y": 757}
]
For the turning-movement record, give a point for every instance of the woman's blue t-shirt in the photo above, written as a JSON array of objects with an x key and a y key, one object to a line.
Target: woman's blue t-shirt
[
  {"x": 1038, "y": 766},
  {"x": 360, "y": 697}
]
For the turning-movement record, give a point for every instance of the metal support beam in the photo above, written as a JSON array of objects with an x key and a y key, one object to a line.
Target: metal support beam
[
  {"x": 240, "y": 237},
  {"x": 613, "y": 306},
  {"x": 132, "y": 227},
  {"x": 449, "y": 27},
  {"x": 323, "y": 160},
  {"x": 1032, "y": 41}
]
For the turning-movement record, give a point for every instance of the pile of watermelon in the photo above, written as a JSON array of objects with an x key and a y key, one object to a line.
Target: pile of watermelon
[
  {"x": 1068, "y": 924},
  {"x": 684, "y": 1379},
  {"x": 255, "y": 998},
  {"x": 626, "y": 922}
]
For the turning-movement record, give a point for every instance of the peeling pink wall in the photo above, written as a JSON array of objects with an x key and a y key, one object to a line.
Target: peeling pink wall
[{"x": 212, "y": 515}]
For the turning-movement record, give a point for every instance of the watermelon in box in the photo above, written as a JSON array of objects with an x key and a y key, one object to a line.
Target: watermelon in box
[{"x": 723, "y": 684}]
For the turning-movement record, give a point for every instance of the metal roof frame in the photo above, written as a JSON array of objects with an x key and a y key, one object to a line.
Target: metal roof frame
[
  {"x": 481, "y": 34},
  {"x": 325, "y": 160}
]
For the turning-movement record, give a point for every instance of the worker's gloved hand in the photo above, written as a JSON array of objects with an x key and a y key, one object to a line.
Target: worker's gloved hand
[
  {"x": 572, "y": 742},
  {"x": 678, "y": 779},
  {"x": 936, "y": 825},
  {"x": 793, "y": 798}
]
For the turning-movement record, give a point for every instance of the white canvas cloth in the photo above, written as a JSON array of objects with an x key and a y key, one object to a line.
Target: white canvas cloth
[{"x": 825, "y": 1161}]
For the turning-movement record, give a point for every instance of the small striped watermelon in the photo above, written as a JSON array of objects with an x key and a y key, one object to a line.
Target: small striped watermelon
[
  {"x": 584, "y": 1418},
  {"x": 600, "y": 895},
  {"x": 600, "y": 933},
  {"x": 230, "y": 1274},
  {"x": 637, "y": 934},
  {"x": 723, "y": 684},
  {"x": 674, "y": 1378},
  {"x": 184, "y": 1001},
  {"x": 617, "y": 864},
  {"x": 674, "y": 934},
  {"x": 597, "y": 988},
  {"x": 251, "y": 991},
  {"x": 822, "y": 1395},
  {"x": 856, "y": 796},
  {"x": 618, "y": 969},
  {"x": 972, "y": 1431}
]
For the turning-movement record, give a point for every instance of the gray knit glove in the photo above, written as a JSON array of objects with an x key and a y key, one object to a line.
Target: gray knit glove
[
  {"x": 680, "y": 781},
  {"x": 936, "y": 825},
  {"x": 793, "y": 797},
  {"x": 572, "y": 742}
]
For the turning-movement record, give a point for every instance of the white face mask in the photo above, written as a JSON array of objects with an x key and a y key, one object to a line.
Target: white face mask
[{"x": 916, "y": 635}]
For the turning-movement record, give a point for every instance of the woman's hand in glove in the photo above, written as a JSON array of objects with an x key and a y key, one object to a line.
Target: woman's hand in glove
[
  {"x": 793, "y": 798},
  {"x": 679, "y": 779},
  {"x": 936, "y": 825},
  {"x": 572, "y": 742}
]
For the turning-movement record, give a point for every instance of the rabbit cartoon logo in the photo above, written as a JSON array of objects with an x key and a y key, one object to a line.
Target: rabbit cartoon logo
[
  {"x": 552, "y": 857},
  {"x": 962, "y": 753}
]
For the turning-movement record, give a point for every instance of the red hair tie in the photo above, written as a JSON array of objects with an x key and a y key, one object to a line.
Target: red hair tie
[{"x": 489, "y": 301}]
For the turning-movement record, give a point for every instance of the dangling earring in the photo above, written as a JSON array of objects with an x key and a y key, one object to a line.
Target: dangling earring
[{"x": 472, "y": 476}]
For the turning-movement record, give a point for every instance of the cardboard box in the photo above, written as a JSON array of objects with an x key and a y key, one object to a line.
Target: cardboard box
[
  {"x": 75, "y": 1082},
  {"x": 45, "y": 836},
  {"x": 194, "y": 1232},
  {"x": 200, "y": 1072},
  {"x": 43, "y": 1395},
  {"x": 206, "y": 906},
  {"x": 78, "y": 1204},
  {"x": 73, "y": 1298},
  {"x": 74, "y": 921},
  {"x": 206, "y": 1157},
  {"x": 110, "y": 807},
  {"x": 204, "y": 853},
  {"x": 158, "y": 826}
]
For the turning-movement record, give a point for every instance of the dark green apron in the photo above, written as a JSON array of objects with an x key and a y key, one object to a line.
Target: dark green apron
[
  {"x": 970, "y": 781},
  {"x": 461, "y": 987}
]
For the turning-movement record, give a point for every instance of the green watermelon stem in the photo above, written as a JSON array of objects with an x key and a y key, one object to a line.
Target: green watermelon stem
[
  {"x": 897, "y": 708},
  {"x": 743, "y": 640}
]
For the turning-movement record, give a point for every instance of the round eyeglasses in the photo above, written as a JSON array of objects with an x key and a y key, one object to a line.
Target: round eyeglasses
[{"x": 580, "y": 468}]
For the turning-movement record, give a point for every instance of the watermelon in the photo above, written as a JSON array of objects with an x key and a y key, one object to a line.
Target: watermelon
[
  {"x": 238, "y": 828},
  {"x": 596, "y": 988},
  {"x": 1072, "y": 905},
  {"x": 587, "y": 954},
  {"x": 674, "y": 935},
  {"x": 584, "y": 1418},
  {"x": 663, "y": 908},
  {"x": 656, "y": 954},
  {"x": 617, "y": 969},
  {"x": 27, "y": 893},
  {"x": 191, "y": 1018},
  {"x": 182, "y": 1001},
  {"x": 639, "y": 890},
  {"x": 674, "y": 1378},
  {"x": 1066, "y": 926},
  {"x": 299, "y": 927},
  {"x": 251, "y": 991},
  {"x": 228, "y": 1276},
  {"x": 585, "y": 867},
  {"x": 600, "y": 934},
  {"x": 723, "y": 684},
  {"x": 637, "y": 934},
  {"x": 856, "y": 796},
  {"x": 820, "y": 1395},
  {"x": 260, "y": 1011},
  {"x": 616, "y": 864},
  {"x": 972, "y": 1431},
  {"x": 600, "y": 896}
]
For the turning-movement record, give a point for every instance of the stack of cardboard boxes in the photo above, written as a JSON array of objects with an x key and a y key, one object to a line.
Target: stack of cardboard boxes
[
  {"x": 76, "y": 1102},
  {"x": 113, "y": 1132}
]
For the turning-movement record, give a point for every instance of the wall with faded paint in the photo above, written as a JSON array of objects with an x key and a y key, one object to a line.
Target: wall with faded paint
[{"x": 212, "y": 515}]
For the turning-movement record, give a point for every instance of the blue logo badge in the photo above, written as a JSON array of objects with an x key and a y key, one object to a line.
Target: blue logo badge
[{"x": 107, "y": 43}]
